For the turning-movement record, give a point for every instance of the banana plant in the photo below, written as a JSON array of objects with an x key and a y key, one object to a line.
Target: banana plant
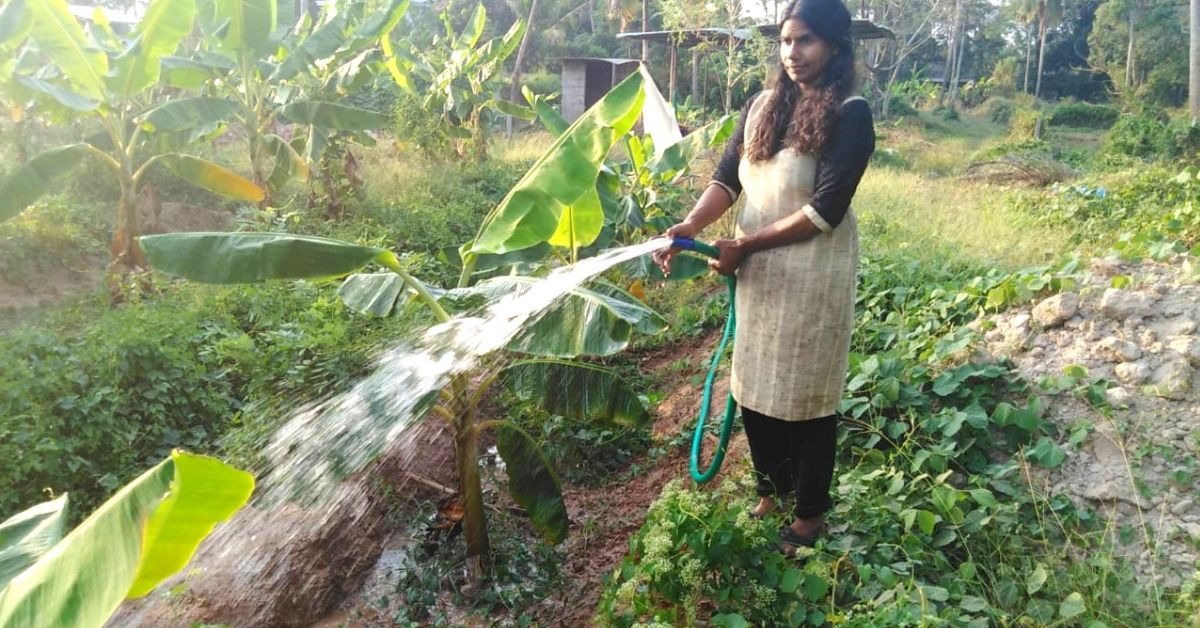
[
  {"x": 108, "y": 81},
  {"x": 589, "y": 321},
  {"x": 244, "y": 64},
  {"x": 142, "y": 535},
  {"x": 456, "y": 78}
]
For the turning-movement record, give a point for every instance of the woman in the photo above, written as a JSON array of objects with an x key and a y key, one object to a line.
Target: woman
[{"x": 798, "y": 153}]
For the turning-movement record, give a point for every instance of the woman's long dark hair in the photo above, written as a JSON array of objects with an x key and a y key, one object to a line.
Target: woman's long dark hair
[{"x": 805, "y": 122}]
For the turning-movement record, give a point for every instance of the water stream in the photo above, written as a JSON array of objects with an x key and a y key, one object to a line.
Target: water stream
[{"x": 323, "y": 443}]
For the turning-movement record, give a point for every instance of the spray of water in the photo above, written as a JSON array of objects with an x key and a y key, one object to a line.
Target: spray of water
[{"x": 323, "y": 443}]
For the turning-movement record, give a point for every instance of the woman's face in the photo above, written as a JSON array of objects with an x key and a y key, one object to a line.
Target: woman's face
[{"x": 803, "y": 54}]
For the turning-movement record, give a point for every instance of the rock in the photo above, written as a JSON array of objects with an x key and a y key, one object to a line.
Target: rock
[
  {"x": 1119, "y": 350},
  {"x": 1133, "y": 373},
  {"x": 1018, "y": 329},
  {"x": 1121, "y": 304},
  {"x": 1192, "y": 530},
  {"x": 1186, "y": 346},
  {"x": 1118, "y": 397},
  {"x": 1182, "y": 506},
  {"x": 1056, "y": 310},
  {"x": 1106, "y": 267},
  {"x": 1173, "y": 379},
  {"x": 995, "y": 336}
]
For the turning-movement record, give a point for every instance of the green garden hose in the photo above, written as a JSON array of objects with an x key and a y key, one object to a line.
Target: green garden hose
[{"x": 730, "y": 405}]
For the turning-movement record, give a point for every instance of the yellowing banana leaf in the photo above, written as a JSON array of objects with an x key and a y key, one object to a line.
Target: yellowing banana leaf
[
  {"x": 397, "y": 66},
  {"x": 61, "y": 37},
  {"x": 377, "y": 294},
  {"x": 530, "y": 213},
  {"x": 231, "y": 258},
  {"x": 148, "y": 530},
  {"x": 38, "y": 176},
  {"x": 188, "y": 113},
  {"x": 164, "y": 25},
  {"x": 532, "y": 482},
  {"x": 214, "y": 178},
  {"x": 330, "y": 115},
  {"x": 27, "y": 536},
  {"x": 584, "y": 321},
  {"x": 577, "y": 390}
]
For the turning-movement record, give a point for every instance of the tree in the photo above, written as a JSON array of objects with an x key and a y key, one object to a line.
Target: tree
[
  {"x": 111, "y": 84},
  {"x": 556, "y": 201},
  {"x": 1049, "y": 13},
  {"x": 456, "y": 78},
  {"x": 1164, "y": 82},
  {"x": 912, "y": 21},
  {"x": 1194, "y": 60}
]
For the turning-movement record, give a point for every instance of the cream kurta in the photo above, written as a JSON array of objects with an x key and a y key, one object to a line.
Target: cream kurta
[{"x": 795, "y": 303}]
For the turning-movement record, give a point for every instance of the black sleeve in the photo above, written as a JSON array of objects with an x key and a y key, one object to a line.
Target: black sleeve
[
  {"x": 842, "y": 166},
  {"x": 727, "y": 169}
]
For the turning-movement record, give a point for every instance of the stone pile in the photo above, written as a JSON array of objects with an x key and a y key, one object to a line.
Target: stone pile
[{"x": 1138, "y": 466}]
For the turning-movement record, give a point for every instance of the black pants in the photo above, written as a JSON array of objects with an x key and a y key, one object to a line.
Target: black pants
[{"x": 793, "y": 456}]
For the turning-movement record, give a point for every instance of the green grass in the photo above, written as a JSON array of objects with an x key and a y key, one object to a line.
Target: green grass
[{"x": 936, "y": 220}]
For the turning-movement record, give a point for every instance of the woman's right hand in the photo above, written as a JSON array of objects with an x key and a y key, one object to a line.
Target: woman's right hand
[{"x": 684, "y": 229}]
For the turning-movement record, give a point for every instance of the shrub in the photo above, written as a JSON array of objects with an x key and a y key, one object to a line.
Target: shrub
[
  {"x": 1148, "y": 136},
  {"x": 91, "y": 397},
  {"x": 1004, "y": 76},
  {"x": 1000, "y": 110},
  {"x": 54, "y": 233},
  {"x": 1086, "y": 115},
  {"x": 1027, "y": 122},
  {"x": 421, "y": 130}
]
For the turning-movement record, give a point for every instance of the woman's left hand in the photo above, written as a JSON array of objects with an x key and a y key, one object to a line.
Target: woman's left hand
[{"x": 732, "y": 253}]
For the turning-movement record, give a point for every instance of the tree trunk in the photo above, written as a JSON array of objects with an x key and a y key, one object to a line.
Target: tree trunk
[
  {"x": 956, "y": 76},
  {"x": 515, "y": 87},
  {"x": 674, "y": 73},
  {"x": 1194, "y": 61},
  {"x": 1130, "y": 51},
  {"x": 466, "y": 448},
  {"x": 1028, "y": 57},
  {"x": 645, "y": 29},
  {"x": 1042, "y": 28},
  {"x": 696, "y": 100},
  {"x": 951, "y": 49}
]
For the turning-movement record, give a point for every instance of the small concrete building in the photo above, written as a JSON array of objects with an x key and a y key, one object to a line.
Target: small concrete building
[{"x": 587, "y": 80}]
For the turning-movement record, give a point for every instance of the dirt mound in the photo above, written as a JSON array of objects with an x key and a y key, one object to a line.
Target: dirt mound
[
  {"x": 291, "y": 566},
  {"x": 1138, "y": 464}
]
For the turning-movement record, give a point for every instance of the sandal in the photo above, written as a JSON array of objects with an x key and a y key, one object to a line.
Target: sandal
[{"x": 790, "y": 540}]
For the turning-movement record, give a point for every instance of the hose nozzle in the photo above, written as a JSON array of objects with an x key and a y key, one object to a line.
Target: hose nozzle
[{"x": 689, "y": 244}]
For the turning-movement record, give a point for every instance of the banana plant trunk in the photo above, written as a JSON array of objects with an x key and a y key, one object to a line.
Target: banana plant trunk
[{"x": 466, "y": 442}]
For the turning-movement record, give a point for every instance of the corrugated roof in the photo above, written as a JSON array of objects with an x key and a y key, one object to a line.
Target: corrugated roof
[{"x": 860, "y": 29}]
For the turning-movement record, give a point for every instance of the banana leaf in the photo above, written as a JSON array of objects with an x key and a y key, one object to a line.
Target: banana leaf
[
  {"x": 232, "y": 258},
  {"x": 248, "y": 24},
  {"x": 14, "y": 23},
  {"x": 63, "y": 96},
  {"x": 320, "y": 44},
  {"x": 27, "y": 536},
  {"x": 147, "y": 531},
  {"x": 61, "y": 37},
  {"x": 164, "y": 25},
  {"x": 583, "y": 321},
  {"x": 212, "y": 177},
  {"x": 377, "y": 294},
  {"x": 532, "y": 210},
  {"x": 186, "y": 114},
  {"x": 328, "y": 115},
  {"x": 38, "y": 176},
  {"x": 532, "y": 482},
  {"x": 577, "y": 390}
]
